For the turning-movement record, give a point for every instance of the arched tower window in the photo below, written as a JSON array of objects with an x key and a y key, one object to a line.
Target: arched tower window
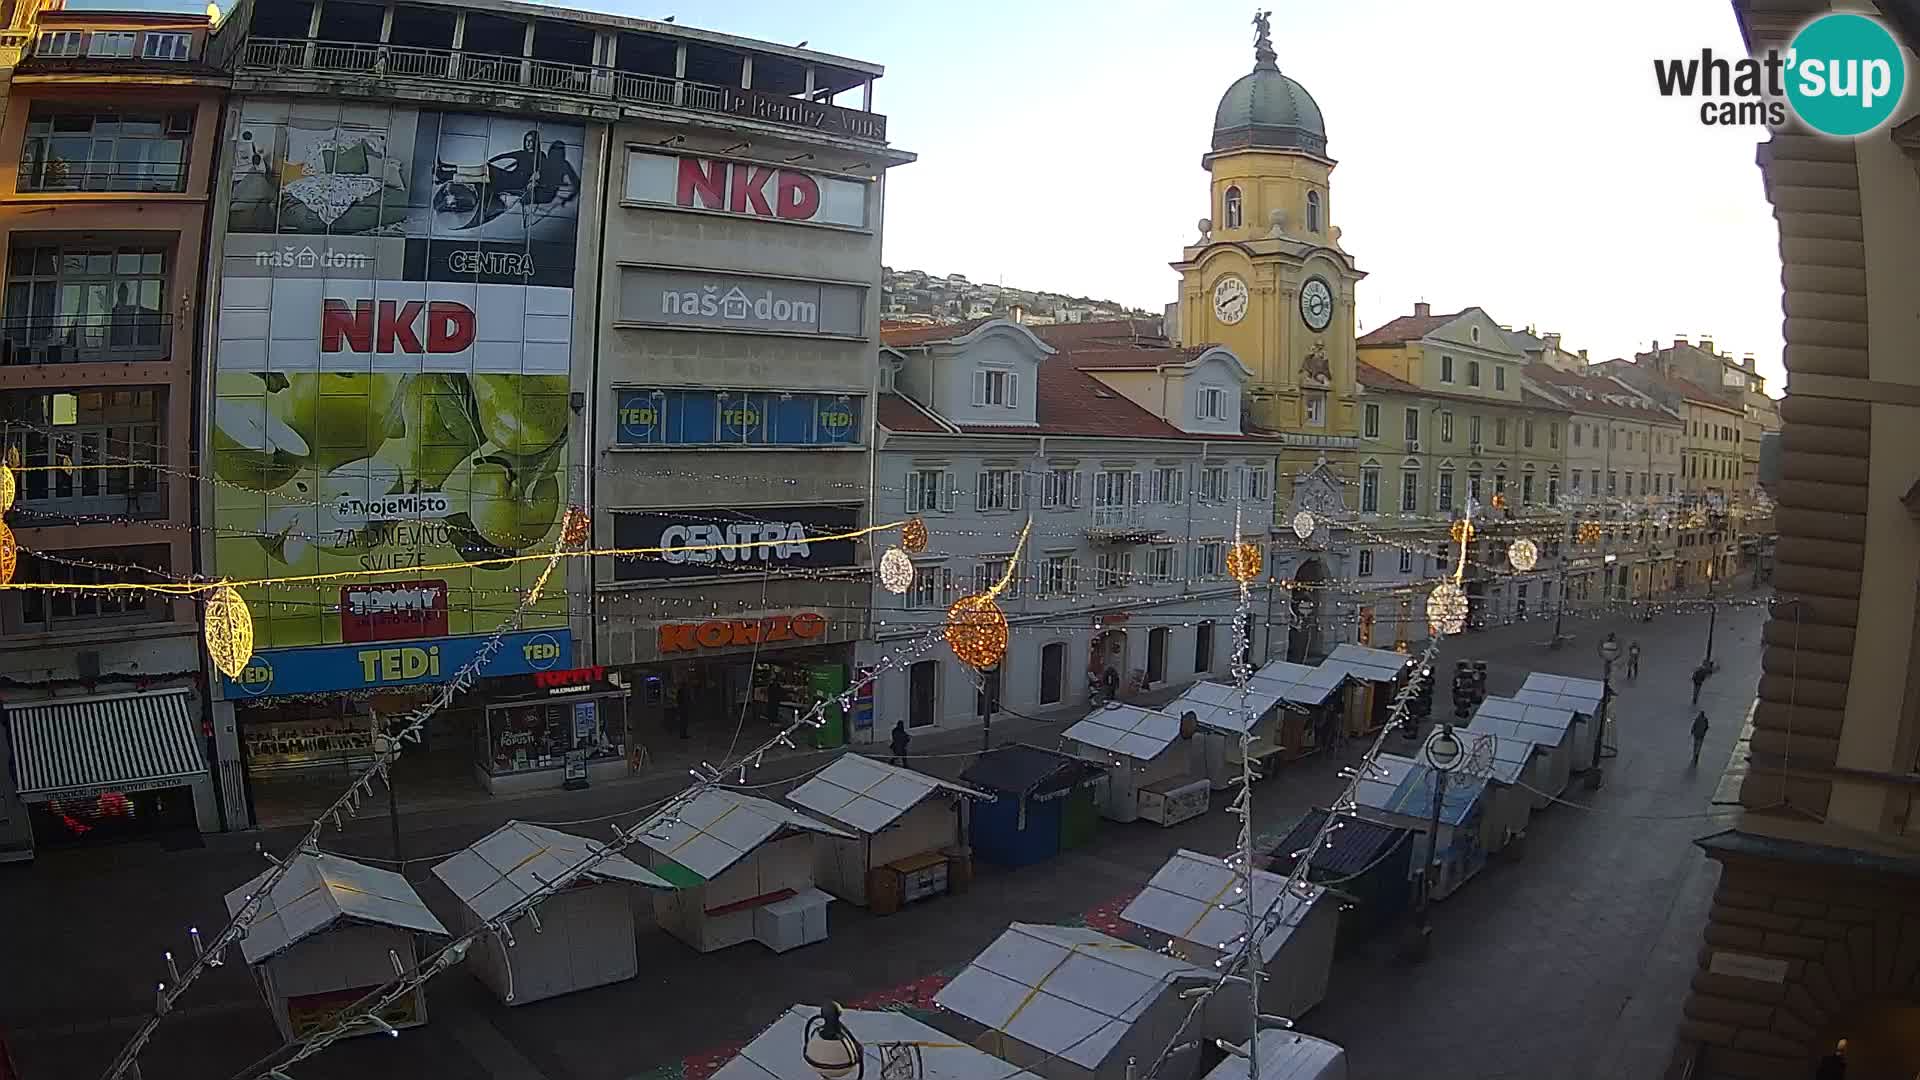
[
  {"x": 1313, "y": 211},
  {"x": 1232, "y": 212}
]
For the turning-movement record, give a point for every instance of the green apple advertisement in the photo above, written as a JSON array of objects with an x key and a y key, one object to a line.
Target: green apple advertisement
[{"x": 391, "y": 380}]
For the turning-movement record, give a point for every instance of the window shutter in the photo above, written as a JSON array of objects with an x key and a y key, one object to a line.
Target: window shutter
[
  {"x": 1076, "y": 487},
  {"x": 1073, "y": 576},
  {"x": 981, "y": 494},
  {"x": 1013, "y": 389},
  {"x": 979, "y": 387},
  {"x": 1016, "y": 482},
  {"x": 1135, "y": 482}
]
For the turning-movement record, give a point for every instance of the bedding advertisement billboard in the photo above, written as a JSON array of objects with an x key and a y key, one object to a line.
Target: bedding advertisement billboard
[{"x": 391, "y": 381}]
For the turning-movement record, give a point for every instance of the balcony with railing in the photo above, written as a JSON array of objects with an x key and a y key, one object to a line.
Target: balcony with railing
[
  {"x": 1122, "y": 523},
  {"x": 146, "y": 337},
  {"x": 265, "y": 56}
]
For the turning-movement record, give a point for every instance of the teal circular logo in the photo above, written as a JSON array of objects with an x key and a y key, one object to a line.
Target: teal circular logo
[{"x": 1845, "y": 74}]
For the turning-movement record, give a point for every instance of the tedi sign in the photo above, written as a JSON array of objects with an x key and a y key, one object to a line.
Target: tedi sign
[{"x": 746, "y": 188}]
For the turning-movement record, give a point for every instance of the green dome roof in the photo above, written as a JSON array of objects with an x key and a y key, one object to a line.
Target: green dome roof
[{"x": 1265, "y": 110}]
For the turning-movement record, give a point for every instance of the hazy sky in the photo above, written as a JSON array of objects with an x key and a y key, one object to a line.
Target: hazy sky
[{"x": 1507, "y": 153}]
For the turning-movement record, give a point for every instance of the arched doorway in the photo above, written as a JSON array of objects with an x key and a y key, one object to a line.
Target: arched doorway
[
  {"x": 1107, "y": 661},
  {"x": 1305, "y": 608}
]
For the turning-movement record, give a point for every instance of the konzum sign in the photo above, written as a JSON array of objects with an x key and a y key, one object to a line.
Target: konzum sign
[
  {"x": 730, "y": 633},
  {"x": 749, "y": 189}
]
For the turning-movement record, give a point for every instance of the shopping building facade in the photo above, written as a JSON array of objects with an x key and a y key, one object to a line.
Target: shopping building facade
[
  {"x": 109, "y": 136},
  {"x": 464, "y": 252},
  {"x": 1138, "y": 470}
]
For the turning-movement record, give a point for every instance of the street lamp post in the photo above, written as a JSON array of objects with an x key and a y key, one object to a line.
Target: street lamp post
[
  {"x": 1609, "y": 652},
  {"x": 1443, "y": 754},
  {"x": 830, "y": 1049},
  {"x": 1713, "y": 617}
]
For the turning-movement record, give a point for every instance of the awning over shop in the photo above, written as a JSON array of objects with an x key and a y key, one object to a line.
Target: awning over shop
[{"x": 122, "y": 742}]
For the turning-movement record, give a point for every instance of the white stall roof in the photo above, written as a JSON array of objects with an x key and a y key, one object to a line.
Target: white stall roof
[
  {"x": 320, "y": 890},
  {"x": 870, "y": 795},
  {"x": 1066, "y": 991},
  {"x": 1501, "y": 759},
  {"x": 1553, "y": 721},
  {"x": 779, "y": 1052},
  {"x": 1185, "y": 896},
  {"x": 1370, "y": 664},
  {"x": 1286, "y": 1055},
  {"x": 1141, "y": 734},
  {"x": 1219, "y": 705},
  {"x": 1562, "y": 691},
  {"x": 1403, "y": 786},
  {"x": 1298, "y": 683},
  {"x": 517, "y": 860},
  {"x": 720, "y": 827}
]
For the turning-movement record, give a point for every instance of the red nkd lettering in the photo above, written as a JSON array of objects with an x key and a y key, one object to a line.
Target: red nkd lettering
[
  {"x": 390, "y": 326},
  {"x": 749, "y": 194},
  {"x": 702, "y": 184},
  {"x": 797, "y": 197}
]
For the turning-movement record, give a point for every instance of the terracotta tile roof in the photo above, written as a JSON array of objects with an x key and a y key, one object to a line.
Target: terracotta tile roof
[
  {"x": 1128, "y": 359},
  {"x": 1672, "y": 384},
  {"x": 1407, "y": 328},
  {"x": 1369, "y": 375},
  {"x": 1069, "y": 401},
  {"x": 1107, "y": 332},
  {"x": 1575, "y": 386},
  {"x": 902, "y": 335},
  {"x": 1376, "y": 379},
  {"x": 899, "y": 414}
]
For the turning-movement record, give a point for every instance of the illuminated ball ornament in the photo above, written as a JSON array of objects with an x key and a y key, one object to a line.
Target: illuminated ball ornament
[
  {"x": 1243, "y": 562},
  {"x": 1524, "y": 555},
  {"x": 1462, "y": 531},
  {"x": 1499, "y": 501},
  {"x": 9, "y": 555},
  {"x": 896, "y": 571},
  {"x": 913, "y": 536},
  {"x": 576, "y": 528},
  {"x": 1304, "y": 524},
  {"x": 1446, "y": 609},
  {"x": 228, "y": 626},
  {"x": 1589, "y": 532},
  {"x": 977, "y": 631}
]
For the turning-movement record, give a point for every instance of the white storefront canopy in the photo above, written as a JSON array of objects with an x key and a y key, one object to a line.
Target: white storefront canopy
[
  {"x": 1222, "y": 707},
  {"x": 1299, "y": 684},
  {"x": 1563, "y": 692},
  {"x": 1367, "y": 664},
  {"x": 779, "y": 1053},
  {"x": 1129, "y": 730},
  {"x": 319, "y": 890},
  {"x": 720, "y": 827},
  {"x": 870, "y": 795},
  {"x": 1194, "y": 897},
  {"x": 121, "y": 742},
  {"x": 1545, "y": 724},
  {"x": 517, "y": 860}
]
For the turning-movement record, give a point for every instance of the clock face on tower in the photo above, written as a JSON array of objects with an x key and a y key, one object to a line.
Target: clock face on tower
[
  {"x": 1316, "y": 304},
  {"x": 1230, "y": 300}
]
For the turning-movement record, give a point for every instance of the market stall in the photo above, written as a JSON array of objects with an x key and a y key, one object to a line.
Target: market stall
[
  {"x": 1310, "y": 721},
  {"x": 742, "y": 869},
  {"x": 1197, "y": 901},
  {"x": 585, "y": 932},
  {"x": 1284, "y": 1055},
  {"x": 1585, "y": 698},
  {"x": 1374, "y": 676},
  {"x": 328, "y": 933},
  {"x": 1546, "y": 726},
  {"x": 1044, "y": 803},
  {"x": 1511, "y": 765},
  {"x": 909, "y": 831},
  {"x": 1398, "y": 791},
  {"x": 890, "y": 1043},
  {"x": 1223, "y": 714},
  {"x": 1071, "y": 1003},
  {"x": 1149, "y": 763},
  {"x": 1370, "y": 864}
]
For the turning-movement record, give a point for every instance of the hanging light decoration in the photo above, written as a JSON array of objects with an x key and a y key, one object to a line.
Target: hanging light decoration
[
  {"x": 9, "y": 556},
  {"x": 1499, "y": 500},
  {"x": 1243, "y": 562},
  {"x": 6, "y": 487},
  {"x": 576, "y": 528},
  {"x": 1446, "y": 609},
  {"x": 1304, "y": 524},
  {"x": 228, "y": 626},
  {"x": 1589, "y": 532},
  {"x": 1462, "y": 531},
  {"x": 913, "y": 536},
  {"x": 977, "y": 631},
  {"x": 1523, "y": 554},
  {"x": 896, "y": 571}
]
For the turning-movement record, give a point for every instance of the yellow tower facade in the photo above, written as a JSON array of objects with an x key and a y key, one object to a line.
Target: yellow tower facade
[{"x": 1268, "y": 278}]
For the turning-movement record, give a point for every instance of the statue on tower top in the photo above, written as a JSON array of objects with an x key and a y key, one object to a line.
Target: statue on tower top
[{"x": 1263, "y": 54}]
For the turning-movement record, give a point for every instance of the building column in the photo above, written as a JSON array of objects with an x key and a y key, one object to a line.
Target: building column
[{"x": 229, "y": 768}]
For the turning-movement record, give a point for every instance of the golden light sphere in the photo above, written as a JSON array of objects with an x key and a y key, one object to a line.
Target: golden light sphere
[
  {"x": 1499, "y": 501},
  {"x": 228, "y": 626},
  {"x": 1589, "y": 532},
  {"x": 6, "y": 487},
  {"x": 1462, "y": 531},
  {"x": 977, "y": 631},
  {"x": 576, "y": 528},
  {"x": 9, "y": 554},
  {"x": 896, "y": 571},
  {"x": 1523, "y": 554},
  {"x": 913, "y": 536},
  {"x": 1243, "y": 562},
  {"x": 1304, "y": 524},
  {"x": 1446, "y": 609}
]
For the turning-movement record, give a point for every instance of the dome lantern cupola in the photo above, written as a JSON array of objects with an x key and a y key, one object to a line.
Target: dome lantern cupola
[{"x": 1266, "y": 110}]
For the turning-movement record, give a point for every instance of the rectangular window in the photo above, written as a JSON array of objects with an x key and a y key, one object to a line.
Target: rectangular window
[
  {"x": 1499, "y": 377},
  {"x": 1576, "y": 434},
  {"x": 1553, "y": 491},
  {"x": 1613, "y": 487},
  {"x": 929, "y": 491},
  {"x": 1366, "y": 562},
  {"x": 1213, "y": 483},
  {"x": 1209, "y": 559},
  {"x": 1473, "y": 484},
  {"x": 111, "y": 45},
  {"x": 1059, "y": 575},
  {"x": 1409, "y": 492},
  {"x": 1113, "y": 569},
  {"x": 1170, "y": 485},
  {"x": 1063, "y": 488},
  {"x": 1473, "y": 373},
  {"x": 1213, "y": 403},
  {"x": 1526, "y": 489},
  {"x": 1473, "y": 430},
  {"x": 1413, "y": 425},
  {"x": 1526, "y": 433},
  {"x": 1371, "y": 419},
  {"x": 66, "y": 445},
  {"x": 1406, "y": 561},
  {"x": 69, "y": 148},
  {"x": 1203, "y": 647},
  {"x": 993, "y": 386},
  {"x": 1446, "y": 427},
  {"x": 932, "y": 587},
  {"x": 1115, "y": 492},
  {"x": 58, "y": 43},
  {"x": 1446, "y": 369},
  {"x": 1629, "y": 490},
  {"x": 158, "y": 46},
  {"x": 1499, "y": 431},
  {"x": 997, "y": 489},
  {"x": 1553, "y": 436},
  {"x": 1160, "y": 564},
  {"x": 1446, "y": 491},
  {"x": 83, "y": 304},
  {"x": 988, "y": 572},
  {"x": 1255, "y": 484},
  {"x": 1316, "y": 403},
  {"x": 44, "y": 610},
  {"x": 1369, "y": 491}
]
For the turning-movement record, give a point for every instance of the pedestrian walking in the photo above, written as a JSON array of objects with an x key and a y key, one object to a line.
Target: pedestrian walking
[
  {"x": 1834, "y": 1065},
  {"x": 1699, "y": 733},
  {"x": 899, "y": 743},
  {"x": 1699, "y": 680},
  {"x": 1633, "y": 660}
]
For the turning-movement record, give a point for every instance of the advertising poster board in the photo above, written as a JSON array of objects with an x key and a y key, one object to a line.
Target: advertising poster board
[{"x": 391, "y": 377}]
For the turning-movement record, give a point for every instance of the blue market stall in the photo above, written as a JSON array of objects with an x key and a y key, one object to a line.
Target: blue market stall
[
  {"x": 1399, "y": 791},
  {"x": 1044, "y": 803}
]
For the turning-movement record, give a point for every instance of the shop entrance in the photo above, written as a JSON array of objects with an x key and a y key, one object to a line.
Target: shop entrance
[
  {"x": 108, "y": 817},
  {"x": 923, "y": 693},
  {"x": 1107, "y": 661},
  {"x": 300, "y": 752},
  {"x": 1157, "y": 654},
  {"x": 1053, "y": 665},
  {"x": 1305, "y": 609},
  {"x": 708, "y": 706}
]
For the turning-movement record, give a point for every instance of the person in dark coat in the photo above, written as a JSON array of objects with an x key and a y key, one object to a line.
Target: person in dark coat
[
  {"x": 899, "y": 743},
  {"x": 1699, "y": 680},
  {"x": 1834, "y": 1065},
  {"x": 1699, "y": 734}
]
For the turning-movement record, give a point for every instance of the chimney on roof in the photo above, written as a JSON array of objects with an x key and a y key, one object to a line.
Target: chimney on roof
[
  {"x": 1422, "y": 309},
  {"x": 1746, "y": 361},
  {"x": 1706, "y": 345},
  {"x": 1552, "y": 340},
  {"x": 1678, "y": 341},
  {"x": 1583, "y": 356}
]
